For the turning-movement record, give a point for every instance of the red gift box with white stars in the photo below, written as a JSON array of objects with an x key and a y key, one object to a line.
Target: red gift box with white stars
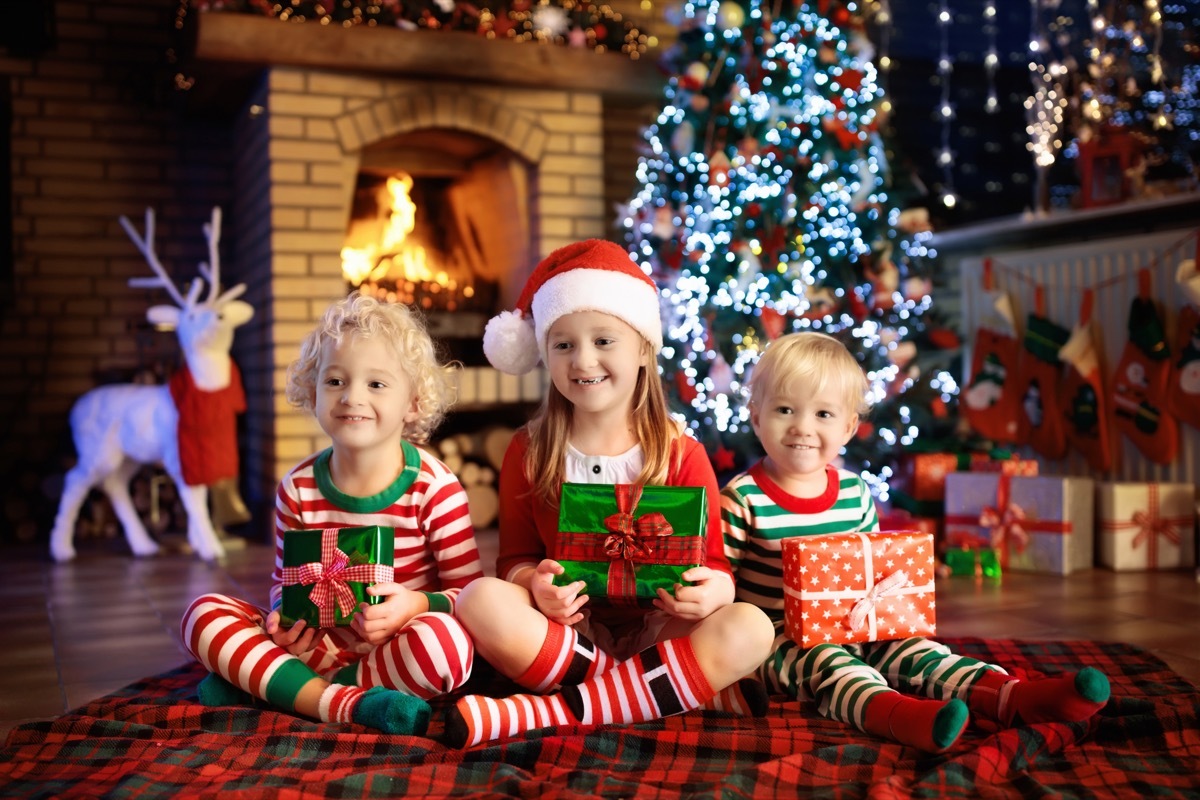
[{"x": 841, "y": 588}]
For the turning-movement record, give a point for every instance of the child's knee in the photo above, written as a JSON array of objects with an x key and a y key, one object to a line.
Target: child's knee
[
  {"x": 485, "y": 599},
  {"x": 439, "y": 643}
]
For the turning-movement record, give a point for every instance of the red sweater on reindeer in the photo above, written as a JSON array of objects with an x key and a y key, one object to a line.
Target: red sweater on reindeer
[{"x": 208, "y": 449}]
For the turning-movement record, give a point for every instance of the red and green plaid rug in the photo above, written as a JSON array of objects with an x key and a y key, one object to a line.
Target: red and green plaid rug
[{"x": 152, "y": 739}]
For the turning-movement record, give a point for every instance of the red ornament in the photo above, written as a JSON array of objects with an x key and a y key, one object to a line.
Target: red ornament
[
  {"x": 686, "y": 389},
  {"x": 944, "y": 339},
  {"x": 723, "y": 460},
  {"x": 851, "y": 79},
  {"x": 865, "y": 430},
  {"x": 939, "y": 409},
  {"x": 773, "y": 323}
]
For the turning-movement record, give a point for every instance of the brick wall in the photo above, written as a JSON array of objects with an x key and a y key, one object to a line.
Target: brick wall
[
  {"x": 95, "y": 135},
  {"x": 98, "y": 131},
  {"x": 317, "y": 124}
]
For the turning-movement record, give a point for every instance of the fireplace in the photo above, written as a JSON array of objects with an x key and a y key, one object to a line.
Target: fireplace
[{"x": 492, "y": 175}]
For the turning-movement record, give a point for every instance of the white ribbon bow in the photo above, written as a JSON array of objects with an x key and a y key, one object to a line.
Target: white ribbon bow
[{"x": 866, "y": 604}]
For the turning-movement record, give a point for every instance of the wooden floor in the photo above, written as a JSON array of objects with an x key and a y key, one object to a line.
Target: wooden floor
[{"x": 73, "y": 632}]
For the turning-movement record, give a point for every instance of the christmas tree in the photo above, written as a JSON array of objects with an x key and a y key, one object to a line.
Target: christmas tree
[{"x": 766, "y": 206}]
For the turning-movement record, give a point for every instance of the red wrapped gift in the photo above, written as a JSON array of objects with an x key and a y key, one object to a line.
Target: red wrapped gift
[
  {"x": 923, "y": 475},
  {"x": 858, "y": 587},
  {"x": 1014, "y": 466}
]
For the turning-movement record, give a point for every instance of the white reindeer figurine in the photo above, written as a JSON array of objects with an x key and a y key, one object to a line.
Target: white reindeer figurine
[{"x": 120, "y": 427}]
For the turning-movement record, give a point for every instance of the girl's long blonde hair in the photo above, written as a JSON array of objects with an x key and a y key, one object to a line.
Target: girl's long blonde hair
[{"x": 545, "y": 460}]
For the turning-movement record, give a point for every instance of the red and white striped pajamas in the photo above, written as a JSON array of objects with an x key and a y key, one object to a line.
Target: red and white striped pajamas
[{"x": 435, "y": 553}]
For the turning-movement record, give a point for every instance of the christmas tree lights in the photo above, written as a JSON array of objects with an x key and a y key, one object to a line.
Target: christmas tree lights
[{"x": 766, "y": 207}]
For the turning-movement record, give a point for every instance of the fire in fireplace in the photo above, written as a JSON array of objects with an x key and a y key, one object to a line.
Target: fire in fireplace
[{"x": 439, "y": 221}]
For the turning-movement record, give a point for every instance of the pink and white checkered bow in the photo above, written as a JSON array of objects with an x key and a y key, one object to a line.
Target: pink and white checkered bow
[{"x": 329, "y": 578}]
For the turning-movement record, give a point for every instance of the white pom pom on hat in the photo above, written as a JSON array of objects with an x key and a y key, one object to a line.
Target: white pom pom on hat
[{"x": 592, "y": 275}]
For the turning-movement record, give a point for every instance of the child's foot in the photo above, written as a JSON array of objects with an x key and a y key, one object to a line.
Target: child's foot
[
  {"x": 383, "y": 709},
  {"x": 1071, "y": 697},
  {"x": 929, "y": 725},
  {"x": 216, "y": 691},
  {"x": 746, "y": 698}
]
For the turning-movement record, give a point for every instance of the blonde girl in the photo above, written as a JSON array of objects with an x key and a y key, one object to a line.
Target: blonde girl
[{"x": 592, "y": 317}]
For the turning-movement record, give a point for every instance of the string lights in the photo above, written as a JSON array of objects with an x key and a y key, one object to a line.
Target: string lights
[
  {"x": 991, "y": 59},
  {"x": 945, "y": 109},
  {"x": 1045, "y": 108}
]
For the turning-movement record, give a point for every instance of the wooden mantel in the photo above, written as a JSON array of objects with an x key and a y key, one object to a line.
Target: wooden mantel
[{"x": 433, "y": 55}]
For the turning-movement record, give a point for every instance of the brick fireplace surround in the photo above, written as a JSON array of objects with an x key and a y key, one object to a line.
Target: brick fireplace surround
[{"x": 286, "y": 183}]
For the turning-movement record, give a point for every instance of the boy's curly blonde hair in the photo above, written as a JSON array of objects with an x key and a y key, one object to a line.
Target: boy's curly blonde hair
[{"x": 365, "y": 316}]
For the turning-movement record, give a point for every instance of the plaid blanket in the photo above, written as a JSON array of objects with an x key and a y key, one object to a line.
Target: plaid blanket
[{"x": 152, "y": 739}]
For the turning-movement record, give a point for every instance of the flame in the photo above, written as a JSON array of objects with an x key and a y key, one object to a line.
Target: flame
[{"x": 397, "y": 258}]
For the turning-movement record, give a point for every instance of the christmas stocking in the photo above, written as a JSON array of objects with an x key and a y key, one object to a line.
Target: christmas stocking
[
  {"x": 990, "y": 400},
  {"x": 1082, "y": 400},
  {"x": 1038, "y": 421},
  {"x": 1183, "y": 391},
  {"x": 1140, "y": 382}
]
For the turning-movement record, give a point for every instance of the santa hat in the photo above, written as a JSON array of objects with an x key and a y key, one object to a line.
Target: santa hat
[{"x": 593, "y": 275}]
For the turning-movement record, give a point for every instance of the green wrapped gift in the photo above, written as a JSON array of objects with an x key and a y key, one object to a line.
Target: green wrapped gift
[
  {"x": 326, "y": 572},
  {"x": 626, "y": 541},
  {"x": 979, "y": 562}
]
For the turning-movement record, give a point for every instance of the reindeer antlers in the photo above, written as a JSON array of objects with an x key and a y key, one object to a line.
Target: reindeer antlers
[
  {"x": 212, "y": 233},
  {"x": 146, "y": 245}
]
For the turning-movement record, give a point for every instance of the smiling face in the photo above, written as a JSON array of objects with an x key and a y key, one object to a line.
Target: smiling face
[
  {"x": 364, "y": 398},
  {"x": 594, "y": 362},
  {"x": 802, "y": 431}
]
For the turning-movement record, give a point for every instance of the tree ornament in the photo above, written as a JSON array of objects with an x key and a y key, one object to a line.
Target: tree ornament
[
  {"x": 730, "y": 15},
  {"x": 694, "y": 77},
  {"x": 718, "y": 169}
]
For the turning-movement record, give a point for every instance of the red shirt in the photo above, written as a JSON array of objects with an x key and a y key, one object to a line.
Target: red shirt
[{"x": 529, "y": 526}]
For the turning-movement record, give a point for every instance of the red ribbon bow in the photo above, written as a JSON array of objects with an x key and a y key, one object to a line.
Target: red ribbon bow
[
  {"x": 1006, "y": 521},
  {"x": 330, "y": 578},
  {"x": 632, "y": 539},
  {"x": 1150, "y": 526}
]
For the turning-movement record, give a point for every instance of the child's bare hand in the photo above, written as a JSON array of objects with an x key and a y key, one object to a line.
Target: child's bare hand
[
  {"x": 379, "y": 622},
  {"x": 561, "y": 604},
  {"x": 710, "y": 590},
  {"x": 297, "y": 640}
]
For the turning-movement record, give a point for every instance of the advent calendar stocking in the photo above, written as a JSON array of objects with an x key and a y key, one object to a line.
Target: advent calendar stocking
[
  {"x": 1140, "y": 381},
  {"x": 1183, "y": 392},
  {"x": 1038, "y": 421},
  {"x": 1083, "y": 404},
  {"x": 990, "y": 400}
]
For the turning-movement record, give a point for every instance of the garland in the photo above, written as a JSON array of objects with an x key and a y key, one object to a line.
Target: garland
[{"x": 573, "y": 23}]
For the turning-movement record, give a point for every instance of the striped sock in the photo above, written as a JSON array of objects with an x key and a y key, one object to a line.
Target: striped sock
[
  {"x": 658, "y": 682},
  {"x": 383, "y": 709},
  {"x": 745, "y": 698},
  {"x": 567, "y": 658}
]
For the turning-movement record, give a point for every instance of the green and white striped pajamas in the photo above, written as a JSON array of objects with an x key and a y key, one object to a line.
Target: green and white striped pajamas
[
  {"x": 756, "y": 515},
  {"x": 841, "y": 679}
]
